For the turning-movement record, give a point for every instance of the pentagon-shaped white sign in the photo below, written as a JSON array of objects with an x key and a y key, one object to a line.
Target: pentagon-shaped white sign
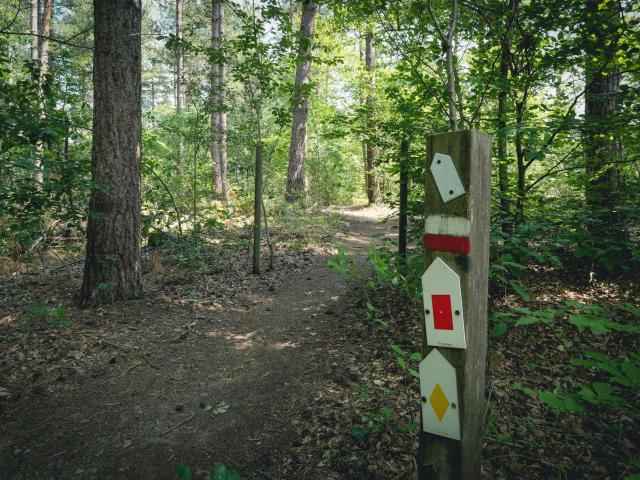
[
  {"x": 442, "y": 299},
  {"x": 439, "y": 396},
  {"x": 446, "y": 177}
]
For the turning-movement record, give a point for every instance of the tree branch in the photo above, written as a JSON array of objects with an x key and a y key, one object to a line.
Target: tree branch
[{"x": 51, "y": 39}]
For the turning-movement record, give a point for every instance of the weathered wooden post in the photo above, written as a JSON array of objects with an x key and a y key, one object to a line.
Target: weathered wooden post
[{"x": 455, "y": 293}]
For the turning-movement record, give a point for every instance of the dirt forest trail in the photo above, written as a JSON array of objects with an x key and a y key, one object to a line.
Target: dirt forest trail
[{"x": 171, "y": 384}]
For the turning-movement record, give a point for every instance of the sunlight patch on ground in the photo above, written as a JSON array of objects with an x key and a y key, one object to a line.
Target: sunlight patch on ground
[
  {"x": 243, "y": 341},
  {"x": 283, "y": 345}
]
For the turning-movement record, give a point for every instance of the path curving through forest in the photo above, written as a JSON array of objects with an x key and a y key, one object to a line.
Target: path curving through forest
[{"x": 224, "y": 387}]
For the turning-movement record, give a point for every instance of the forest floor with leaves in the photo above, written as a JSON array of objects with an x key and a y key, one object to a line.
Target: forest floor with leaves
[{"x": 282, "y": 376}]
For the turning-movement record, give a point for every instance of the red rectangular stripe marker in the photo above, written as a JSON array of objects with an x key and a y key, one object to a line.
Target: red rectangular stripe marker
[
  {"x": 447, "y": 243},
  {"x": 442, "y": 318}
]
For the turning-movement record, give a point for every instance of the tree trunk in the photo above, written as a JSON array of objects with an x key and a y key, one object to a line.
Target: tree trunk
[
  {"x": 35, "y": 31},
  {"x": 257, "y": 225},
  {"x": 503, "y": 160},
  {"x": 451, "y": 77},
  {"x": 296, "y": 182},
  {"x": 371, "y": 177},
  {"x": 522, "y": 170},
  {"x": 179, "y": 84},
  {"x": 218, "y": 113},
  {"x": 404, "y": 197},
  {"x": 112, "y": 269},
  {"x": 601, "y": 138},
  {"x": 47, "y": 17}
]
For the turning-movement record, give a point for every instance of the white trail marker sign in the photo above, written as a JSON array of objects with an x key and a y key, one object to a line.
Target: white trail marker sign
[
  {"x": 443, "y": 312},
  {"x": 439, "y": 395}
]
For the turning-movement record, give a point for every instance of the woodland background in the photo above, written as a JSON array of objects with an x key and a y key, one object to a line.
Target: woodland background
[{"x": 556, "y": 83}]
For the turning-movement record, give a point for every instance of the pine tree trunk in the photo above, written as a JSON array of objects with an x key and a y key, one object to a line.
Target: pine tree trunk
[
  {"x": 371, "y": 177},
  {"x": 296, "y": 181},
  {"x": 112, "y": 269},
  {"x": 218, "y": 113}
]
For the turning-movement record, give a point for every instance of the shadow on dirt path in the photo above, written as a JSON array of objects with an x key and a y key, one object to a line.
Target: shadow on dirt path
[{"x": 222, "y": 387}]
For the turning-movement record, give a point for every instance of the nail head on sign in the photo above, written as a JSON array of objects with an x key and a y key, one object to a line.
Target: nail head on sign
[
  {"x": 427, "y": 311},
  {"x": 424, "y": 399},
  {"x": 453, "y": 405}
]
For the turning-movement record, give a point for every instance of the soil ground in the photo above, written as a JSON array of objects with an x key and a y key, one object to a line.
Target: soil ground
[
  {"x": 290, "y": 375},
  {"x": 131, "y": 390}
]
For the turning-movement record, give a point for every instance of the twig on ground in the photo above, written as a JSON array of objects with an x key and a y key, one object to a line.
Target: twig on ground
[
  {"x": 114, "y": 345},
  {"x": 56, "y": 455},
  {"x": 178, "y": 425},
  {"x": 137, "y": 364},
  {"x": 180, "y": 337},
  {"x": 265, "y": 475},
  {"x": 144, "y": 355}
]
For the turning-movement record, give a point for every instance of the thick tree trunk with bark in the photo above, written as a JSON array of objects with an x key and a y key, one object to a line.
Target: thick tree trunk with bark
[
  {"x": 112, "y": 269},
  {"x": 218, "y": 113},
  {"x": 296, "y": 181},
  {"x": 371, "y": 177},
  {"x": 46, "y": 24},
  {"x": 602, "y": 146}
]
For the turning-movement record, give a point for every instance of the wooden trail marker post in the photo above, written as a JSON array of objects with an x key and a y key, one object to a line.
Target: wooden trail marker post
[{"x": 457, "y": 200}]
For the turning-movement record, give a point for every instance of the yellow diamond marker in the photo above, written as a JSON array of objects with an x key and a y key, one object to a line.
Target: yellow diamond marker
[{"x": 439, "y": 401}]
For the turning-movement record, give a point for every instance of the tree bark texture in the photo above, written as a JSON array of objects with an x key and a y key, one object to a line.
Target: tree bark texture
[
  {"x": 218, "y": 113},
  {"x": 602, "y": 144},
  {"x": 522, "y": 169},
  {"x": 34, "y": 29},
  {"x": 404, "y": 197},
  {"x": 46, "y": 24},
  {"x": 179, "y": 83},
  {"x": 296, "y": 181},
  {"x": 112, "y": 269},
  {"x": 503, "y": 158},
  {"x": 371, "y": 177},
  {"x": 179, "y": 80},
  {"x": 257, "y": 204},
  {"x": 451, "y": 77}
]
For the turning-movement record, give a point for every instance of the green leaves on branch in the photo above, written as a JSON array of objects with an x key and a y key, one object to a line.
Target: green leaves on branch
[{"x": 403, "y": 358}]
